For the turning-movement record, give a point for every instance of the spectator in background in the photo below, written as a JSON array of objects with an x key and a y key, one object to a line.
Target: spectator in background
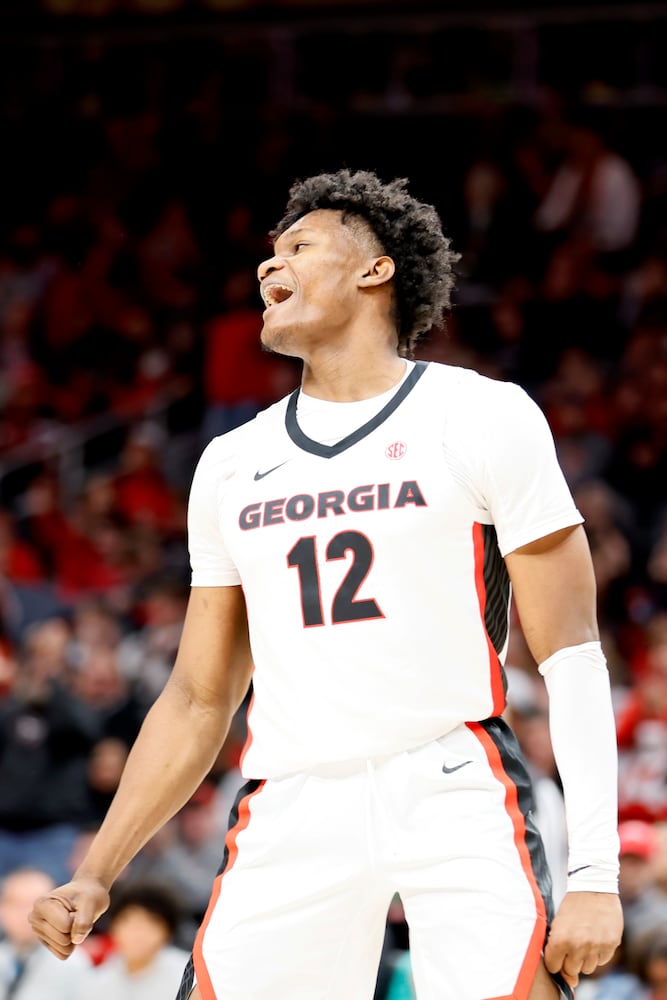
[
  {"x": 19, "y": 560},
  {"x": 239, "y": 377},
  {"x": 146, "y": 654},
  {"x": 45, "y": 738},
  {"x": 484, "y": 225},
  {"x": 637, "y": 468},
  {"x": 24, "y": 603},
  {"x": 644, "y": 903},
  {"x": 657, "y": 566},
  {"x": 660, "y": 863},
  {"x": 169, "y": 256},
  {"x": 94, "y": 623},
  {"x": 142, "y": 493},
  {"x": 27, "y": 970},
  {"x": 612, "y": 981},
  {"x": 575, "y": 404},
  {"x": 25, "y": 271},
  {"x": 70, "y": 303},
  {"x": 45, "y": 650},
  {"x": 16, "y": 361},
  {"x": 143, "y": 963},
  {"x": 103, "y": 769},
  {"x": 42, "y": 518},
  {"x": 79, "y": 541},
  {"x": 190, "y": 860},
  {"x": 25, "y": 421},
  {"x": 613, "y": 537},
  {"x": 8, "y": 665},
  {"x": 594, "y": 197},
  {"x": 652, "y": 965},
  {"x": 106, "y": 694},
  {"x": 641, "y": 727}
]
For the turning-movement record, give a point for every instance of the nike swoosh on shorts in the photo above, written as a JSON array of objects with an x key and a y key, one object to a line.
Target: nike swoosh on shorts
[{"x": 450, "y": 770}]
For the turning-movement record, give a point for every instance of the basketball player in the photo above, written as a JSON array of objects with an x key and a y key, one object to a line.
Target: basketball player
[{"x": 354, "y": 550}]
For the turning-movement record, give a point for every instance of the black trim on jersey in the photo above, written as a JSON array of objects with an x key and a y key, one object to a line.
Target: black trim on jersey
[
  {"x": 302, "y": 441},
  {"x": 188, "y": 980},
  {"x": 497, "y": 589}
]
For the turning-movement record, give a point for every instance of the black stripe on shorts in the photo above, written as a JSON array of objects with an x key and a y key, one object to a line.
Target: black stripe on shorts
[
  {"x": 188, "y": 980},
  {"x": 514, "y": 765}
]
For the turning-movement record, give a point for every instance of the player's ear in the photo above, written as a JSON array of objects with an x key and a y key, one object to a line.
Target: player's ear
[{"x": 377, "y": 271}]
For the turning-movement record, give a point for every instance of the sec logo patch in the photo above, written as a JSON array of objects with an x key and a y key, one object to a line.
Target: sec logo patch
[{"x": 396, "y": 450}]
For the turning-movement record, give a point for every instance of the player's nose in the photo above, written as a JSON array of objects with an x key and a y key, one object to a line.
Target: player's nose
[{"x": 268, "y": 266}]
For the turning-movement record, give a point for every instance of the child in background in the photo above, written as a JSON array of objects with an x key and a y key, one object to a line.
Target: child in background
[{"x": 143, "y": 919}]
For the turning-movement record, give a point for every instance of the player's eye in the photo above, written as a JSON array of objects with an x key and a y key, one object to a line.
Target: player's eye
[{"x": 297, "y": 246}]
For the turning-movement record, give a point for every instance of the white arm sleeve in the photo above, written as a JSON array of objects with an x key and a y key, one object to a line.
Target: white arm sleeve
[{"x": 583, "y": 735}]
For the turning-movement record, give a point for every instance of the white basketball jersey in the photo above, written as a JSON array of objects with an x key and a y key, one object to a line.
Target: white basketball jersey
[{"x": 377, "y": 595}]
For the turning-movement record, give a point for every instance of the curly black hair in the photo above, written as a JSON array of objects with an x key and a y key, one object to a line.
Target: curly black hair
[{"x": 408, "y": 230}]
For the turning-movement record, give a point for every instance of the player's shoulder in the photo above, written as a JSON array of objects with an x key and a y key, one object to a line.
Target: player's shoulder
[
  {"x": 222, "y": 450},
  {"x": 469, "y": 388},
  {"x": 239, "y": 438},
  {"x": 222, "y": 453}
]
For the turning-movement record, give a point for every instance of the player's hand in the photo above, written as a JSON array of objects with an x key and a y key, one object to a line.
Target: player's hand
[
  {"x": 585, "y": 933},
  {"x": 65, "y": 917}
]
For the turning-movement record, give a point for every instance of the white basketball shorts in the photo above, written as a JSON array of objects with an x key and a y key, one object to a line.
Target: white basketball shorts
[{"x": 313, "y": 860}]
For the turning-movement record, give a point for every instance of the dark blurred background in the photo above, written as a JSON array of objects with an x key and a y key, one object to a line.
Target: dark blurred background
[{"x": 147, "y": 149}]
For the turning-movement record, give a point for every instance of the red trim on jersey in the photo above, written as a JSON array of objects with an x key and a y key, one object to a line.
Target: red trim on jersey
[
  {"x": 203, "y": 979},
  {"x": 534, "y": 951},
  {"x": 495, "y": 670}
]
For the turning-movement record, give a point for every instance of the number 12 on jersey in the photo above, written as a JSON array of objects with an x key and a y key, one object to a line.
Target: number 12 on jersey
[{"x": 345, "y": 607}]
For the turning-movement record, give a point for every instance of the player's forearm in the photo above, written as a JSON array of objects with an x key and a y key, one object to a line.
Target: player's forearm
[
  {"x": 177, "y": 746},
  {"x": 584, "y": 742}
]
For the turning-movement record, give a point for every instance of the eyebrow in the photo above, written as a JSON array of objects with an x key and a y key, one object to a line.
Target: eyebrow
[{"x": 290, "y": 234}]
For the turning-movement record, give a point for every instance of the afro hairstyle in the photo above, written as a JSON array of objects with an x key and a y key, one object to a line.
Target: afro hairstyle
[{"x": 408, "y": 230}]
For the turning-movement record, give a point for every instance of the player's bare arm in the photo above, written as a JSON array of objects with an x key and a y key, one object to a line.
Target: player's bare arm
[
  {"x": 177, "y": 746},
  {"x": 554, "y": 589}
]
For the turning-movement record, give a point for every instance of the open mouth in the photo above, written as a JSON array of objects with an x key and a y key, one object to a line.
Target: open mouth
[{"x": 274, "y": 294}]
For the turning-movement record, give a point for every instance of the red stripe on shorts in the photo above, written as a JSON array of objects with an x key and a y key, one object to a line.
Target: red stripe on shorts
[
  {"x": 534, "y": 951},
  {"x": 203, "y": 979}
]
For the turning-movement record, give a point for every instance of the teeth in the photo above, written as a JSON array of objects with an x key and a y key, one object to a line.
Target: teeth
[{"x": 274, "y": 293}]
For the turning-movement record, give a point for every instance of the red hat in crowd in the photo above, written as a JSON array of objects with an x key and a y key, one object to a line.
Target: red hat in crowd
[{"x": 639, "y": 838}]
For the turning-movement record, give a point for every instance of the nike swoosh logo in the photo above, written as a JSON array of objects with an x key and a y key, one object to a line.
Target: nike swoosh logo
[
  {"x": 580, "y": 869},
  {"x": 450, "y": 770},
  {"x": 260, "y": 475}
]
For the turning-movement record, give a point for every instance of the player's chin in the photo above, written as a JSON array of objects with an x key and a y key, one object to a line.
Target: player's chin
[{"x": 273, "y": 340}]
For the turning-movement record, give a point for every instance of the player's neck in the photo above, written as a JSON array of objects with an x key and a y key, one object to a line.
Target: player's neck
[{"x": 344, "y": 379}]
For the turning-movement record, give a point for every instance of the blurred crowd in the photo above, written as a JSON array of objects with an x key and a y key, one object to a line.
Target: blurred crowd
[{"x": 129, "y": 321}]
